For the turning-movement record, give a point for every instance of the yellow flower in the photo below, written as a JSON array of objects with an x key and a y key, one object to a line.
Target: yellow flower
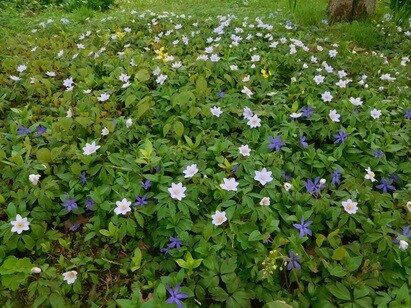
[
  {"x": 120, "y": 35},
  {"x": 264, "y": 72}
]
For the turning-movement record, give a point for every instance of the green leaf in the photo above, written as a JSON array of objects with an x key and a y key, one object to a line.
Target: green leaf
[
  {"x": 218, "y": 294},
  {"x": 56, "y": 300},
  {"x": 43, "y": 155},
  {"x": 136, "y": 260},
  {"x": 353, "y": 263},
  {"x": 201, "y": 86},
  {"x": 178, "y": 128},
  {"x": 339, "y": 290},
  {"x": 320, "y": 239},
  {"x": 339, "y": 253},
  {"x": 255, "y": 236},
  {"x": 337, "y": 270},
  {"x": 143, "y": 75}
]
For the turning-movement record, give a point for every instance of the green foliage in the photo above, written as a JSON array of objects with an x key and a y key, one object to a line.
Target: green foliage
[
  {"x": 401, "y": 10},
  {"x": 149, "y": 130}
]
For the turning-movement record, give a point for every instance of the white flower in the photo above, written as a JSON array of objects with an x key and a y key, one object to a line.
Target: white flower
[
  {"x": 20, "y": 224},
  {"x": 341, "y": 83},
  {"x": 123, "y": 207},
  {"x": 370, "y": 175},
  {"x": 234, "y": 67},
  {"x": 129, "y": 122},
  {"x": 255, "y": 58},
  {"x": 68, "y": 83},
  {"x": 318, "y": 79},
  {"x": 15, "y": 78},
  {"x": 177, "y": 191},
  {"x": 375, "y": 113},
  {"x": 87, "y": 91},
  {"x": 356, "y": 101},
  {"x": 326, "y": 96},
  {"x": 287, "y": 186},
  {"x": 229, "y": 184},
  {"x": 403, "y": 245},
  {"x": 90, "y": 148},
  {"x": 105, "y": 131},
  {"x": 190, "y": 171},
  {"x": 21, "y": 68},
  {"x": 247, "y": 91},
  {"x": 103, "y": 97},
  {"x": 70, "y": 277},
  {"x": 296, "y": 115},
  {"x": 334, "y": 116},
  {"x": 51, "y": 74},
  {"x": 332, "y": 53},
  {"x": 244, "y": 150},
  {"x": 350, "y": 206},
  {"x": 322, "y": 181},
  {"x": 387, "y": 77},
  {"x": 246, "y": 78},
  {"x": 157, "y": 71},
  {"x": 219, "y": 218},
  {"x": 265, "y": 201},
  {"x": 69, "y": 114},
  {"x": 263, "y": 176},
  {"x": 247, "y": 113},
  {"x": 216, "y": 111},
  {"x": 34, "y": 178},
  {"x": 124, "y": 77},
  {"x": 176, "y": 64},
  {"x": 35, "y": 270},
  {"x": 254, "y": 121},
  {"x": 160, "y": 79},
  {"x": 408, "y": 205},
  {"x": 214, "y": 57}
]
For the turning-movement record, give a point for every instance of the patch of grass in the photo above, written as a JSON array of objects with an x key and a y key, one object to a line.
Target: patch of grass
[{"x": 362, "y": 34}]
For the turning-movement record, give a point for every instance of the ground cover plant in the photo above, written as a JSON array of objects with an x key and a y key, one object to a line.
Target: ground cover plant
[{"x": 156, "y": 159}]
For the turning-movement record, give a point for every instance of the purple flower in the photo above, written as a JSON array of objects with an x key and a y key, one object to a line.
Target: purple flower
[
  {"x": 405, "y": 231},
  {"x": 276, "y": 143},
  {"x": 74, "y": 227},
  {"x": 287, "y": 176},
  {"x": 23, "y": 130},
  {"x": 69, "y": 204},
  {"x": 378, "y": 153},
  {"x": 385, "y": 186},
  {"x": 146, "y": 184},
  {"x": 292, "y": 261},
  {"x": 314, "y": 187},
  {"x": 307, "y": 111},
  {"x": 175, "y": 242},
  {"x": 407, "y": 114},
  {"x": 165, "y": 250},
  {"x": 221, "y": 94},
  {"x": 83, "y": 178},
  {"x": 303, "y": 227},
  {"x": 141, "y": 201},
  {"x": 157, "y": 169},
  {"x": 234, "y": 168},
  {"x": 335, "y": 177},
  {"x": 268, "y": 240},
  {"x": 340, "y": 137},
  {"x": 175, "y": 296},
  {"x": 40, "y": 131},
  {"x": 303, "y": 142},
  {"x": 89, "y": 203},
  {"x": 394, "y": 178}
]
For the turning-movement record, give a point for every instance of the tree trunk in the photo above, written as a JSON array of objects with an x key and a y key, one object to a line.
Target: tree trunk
[{"x": 349, "y": 10}]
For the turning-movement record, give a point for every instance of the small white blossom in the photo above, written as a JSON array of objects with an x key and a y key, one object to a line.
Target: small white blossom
[
  {"x": 216, "y": 111},
  {"x": 254, "y": 121},
  {"x": 244, "y": 150},
  {"x": 190, "y": 171},
  {"x": 263, "y": 176},
  {"x": 375, "y": 113},
  {"x": 177, "y": 191},
  {"x": 105, "y": 131},
  {"x": 229, "y": 184},
  {"x": 90, "y": 148},
  {"x": 370, "y": 175},
  {"x": 265, "y": 201},
  {"x": 20, "y": 224},
  {"x": 129, "y": 122},
  {"x": 123, "y": 207},
  {"x": 334, "y": 116},
  {"x": 350, "y": 206},
  {"x": 287, "y": 186},
  {"x": 219, "y": 218},
  {"x": 70, "y": 277},
  {"x": 34, "y": 178}
]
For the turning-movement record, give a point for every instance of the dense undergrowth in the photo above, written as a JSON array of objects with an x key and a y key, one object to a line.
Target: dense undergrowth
[{"x": 155, "y": 158}]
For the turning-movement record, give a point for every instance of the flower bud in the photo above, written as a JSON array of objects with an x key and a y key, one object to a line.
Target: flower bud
[
  {"x": 36, "y": 270},
  {"x": 403, "y": 245}
]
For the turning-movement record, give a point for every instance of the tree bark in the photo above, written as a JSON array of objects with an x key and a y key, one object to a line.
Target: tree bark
[{"x": 349, "y": 10}]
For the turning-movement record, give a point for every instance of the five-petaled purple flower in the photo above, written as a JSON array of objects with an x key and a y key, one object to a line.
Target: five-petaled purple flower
[
  {"x": 335, "y": 177},
  {"x": 307, "y": 111},
  {"x": 292, "y": 261},
  {"x": 407, "y": 114},
  {"x": 303, "y": 141},
  {"x": 378, "y": 153},
  {"x": 394, "y": 178},
  {"x": 176, "y": 296},
  {"x": 40, "y": 131},
  {"x": 141, "y": 201},
  {"x": 175, "y": 242},
  {"x": 23, "y": 130},
  {"x": 303, "y": 227},
  {"x": 276, "y": 143},
  {"x": 385, "y": 186},
  {"x": 69, "y": 204},
  {"x": 340, "y": 137},
  {"x": 314, "y": 187},
  {"x": 146, "y": 184},
  {"x": 89, "y": 203},
  {"x": 83, "y": 178}
]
